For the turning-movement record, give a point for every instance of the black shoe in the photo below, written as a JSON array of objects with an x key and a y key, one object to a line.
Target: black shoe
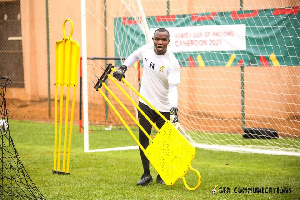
[
  {"x": 145, "y": 179},
  {"x": 159, "y": 180}
]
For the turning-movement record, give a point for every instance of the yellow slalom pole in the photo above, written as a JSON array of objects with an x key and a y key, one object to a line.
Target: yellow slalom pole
[
  {"x": 121, "y": 118},
  {"x": 67, "y": 70},
  {"x": 55, "y": 132},
  {"x": 72, "y": 78},
  {"x": 60, "y": 126},
  {"x": 229, "y": 63},
  {"x": 200, "y": 61},
  {"x": 60, "y": 48},
  {"x": 66, "y": 128},
  {"x": 55, "y": 105},
  {"x": 274, "y": 60},
  {"x": 71, "y": 129}
]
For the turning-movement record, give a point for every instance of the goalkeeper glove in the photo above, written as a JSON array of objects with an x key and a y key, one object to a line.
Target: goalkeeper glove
[
  {"x": 120, "y": 73},
  {"x": 173, "y": 115}
]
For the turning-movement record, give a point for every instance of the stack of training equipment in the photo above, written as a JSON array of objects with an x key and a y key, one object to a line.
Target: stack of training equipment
[
  {"x": 67, "y": 53},
  {"x": 169, "y": 152}
]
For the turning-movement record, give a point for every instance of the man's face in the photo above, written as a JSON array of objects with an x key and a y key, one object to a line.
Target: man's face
[{"x": 161, "y": 41}]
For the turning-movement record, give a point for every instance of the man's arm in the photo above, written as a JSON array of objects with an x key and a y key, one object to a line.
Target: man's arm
[
  {"x": 120, "y": 73},
  {"x": 173, "y": 98},
  {"x": 174, "y": 80},
  {"x": 173, "y": 95},
  {"x": 132, "y": 58}
]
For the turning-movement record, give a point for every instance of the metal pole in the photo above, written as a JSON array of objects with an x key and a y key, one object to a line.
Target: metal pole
[
  {"x": 48, "y": 59},
  {"x": 168, "y": 7},
  {"x": 80, "y": 98},
  {"x": 242, "y": 96},
  {"x": 241, "y": 5},
  {"x": 84, "y": 78},
  {"x": 105, "y": 53}
]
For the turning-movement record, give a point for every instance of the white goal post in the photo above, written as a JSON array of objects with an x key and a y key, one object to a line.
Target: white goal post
[{"x": 240, "y": 68}]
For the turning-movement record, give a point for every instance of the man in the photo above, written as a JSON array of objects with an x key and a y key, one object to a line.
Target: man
[{"x": 161, "y": 76}]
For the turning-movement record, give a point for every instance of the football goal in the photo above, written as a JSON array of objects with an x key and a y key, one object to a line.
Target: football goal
[{"x": 239, "y": 61}]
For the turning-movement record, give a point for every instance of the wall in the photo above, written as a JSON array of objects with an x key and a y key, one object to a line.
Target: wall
[{"x": 35, "y": 49}]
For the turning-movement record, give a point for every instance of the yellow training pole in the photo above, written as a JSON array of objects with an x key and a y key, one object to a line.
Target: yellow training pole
[
  {"x": 55, "y": 125},
  {"x": 73, "y": 83},
  {"x": 132, "y": 101},
  {"x": 60, "y": 125},
  {"x": 128, "y": 112},
  {"x": 66, "y": 129},
  {"x": 59, "y": 47},
  {"x": 60, "y": 82},
  {"x": 71, "y": 129},
  {"x": 67, "y": 69},
  {"x": 121, "y": 118},
  {"x": 55, "y": 105}
]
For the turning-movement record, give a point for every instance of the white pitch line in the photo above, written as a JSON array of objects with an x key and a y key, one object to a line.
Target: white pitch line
[
  {"x": 245, "y": 150},
  {"x": 115, "y": 149}
]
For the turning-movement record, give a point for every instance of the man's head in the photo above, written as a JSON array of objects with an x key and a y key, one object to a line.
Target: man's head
[{"x": 161, "y": 39}]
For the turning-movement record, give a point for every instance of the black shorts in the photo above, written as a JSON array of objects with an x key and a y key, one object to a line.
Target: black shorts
[{"x": 153, "y": 116}]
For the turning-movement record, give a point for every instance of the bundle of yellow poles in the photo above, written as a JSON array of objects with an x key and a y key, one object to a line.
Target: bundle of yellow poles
[
  {"x": 67, "y": 53},
  {"x": 169, "y": 152}
]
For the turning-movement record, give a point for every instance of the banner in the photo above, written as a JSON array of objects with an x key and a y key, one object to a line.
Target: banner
[
  {"x": 207, "y": 38},
  {"x": 253, "y": 36}
]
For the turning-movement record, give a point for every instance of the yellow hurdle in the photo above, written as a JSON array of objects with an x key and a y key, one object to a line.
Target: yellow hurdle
[
  {"x": 67, "y": 53},
  {"x": 169, "y": 152}
]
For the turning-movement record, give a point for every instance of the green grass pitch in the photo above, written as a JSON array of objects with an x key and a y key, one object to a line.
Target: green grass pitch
[{"x": 113, "y": 175}]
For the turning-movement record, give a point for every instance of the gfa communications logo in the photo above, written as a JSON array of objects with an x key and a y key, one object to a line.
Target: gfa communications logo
[
  {"x": 214, "y": 190},
  {"x": 251, "y": 190}
]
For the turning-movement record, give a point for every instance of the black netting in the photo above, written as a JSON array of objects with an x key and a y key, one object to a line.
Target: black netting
[{"x": 15, "y": 181}]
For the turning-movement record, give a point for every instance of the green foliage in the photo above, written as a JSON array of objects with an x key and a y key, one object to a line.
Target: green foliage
[{"x": 113, "y": 175}]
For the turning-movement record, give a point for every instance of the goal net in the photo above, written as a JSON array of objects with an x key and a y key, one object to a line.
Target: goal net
[
  {"x": 15, "y": 181},
  {"x": 239, "y": 61}
]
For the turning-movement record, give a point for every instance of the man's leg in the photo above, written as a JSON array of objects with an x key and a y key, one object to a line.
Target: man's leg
[
  {"x": 159, "y": 123},
  {"x": 143, "y": 139}
]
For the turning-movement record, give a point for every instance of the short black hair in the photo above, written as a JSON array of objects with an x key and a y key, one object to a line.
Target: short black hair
[{"x": 162, "y": 30}]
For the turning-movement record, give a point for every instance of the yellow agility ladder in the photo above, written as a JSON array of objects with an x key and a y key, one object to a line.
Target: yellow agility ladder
[
  {"x": 67, "y": 53},
  {"x": 169, "y": 152}
]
